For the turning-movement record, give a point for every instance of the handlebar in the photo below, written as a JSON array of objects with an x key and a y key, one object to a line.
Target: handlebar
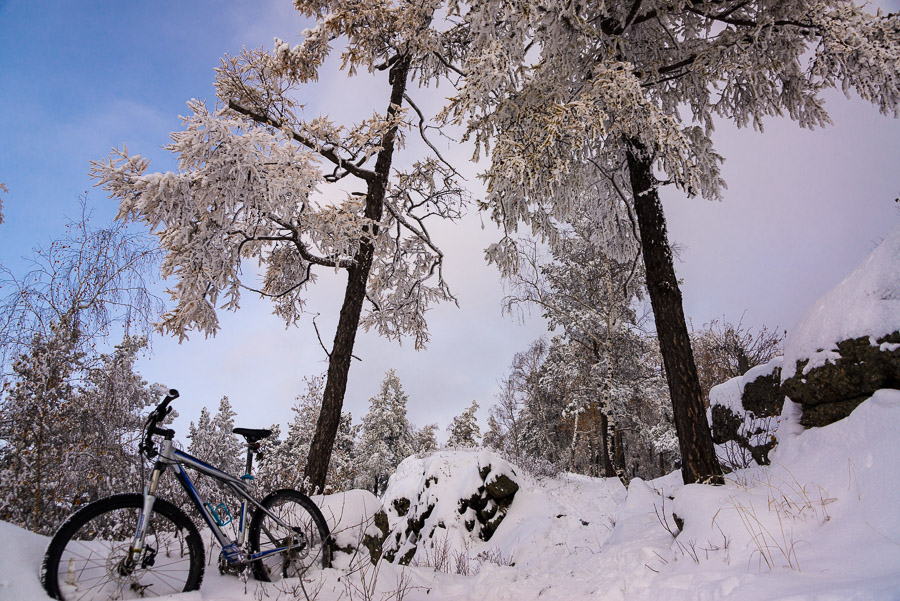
[{"x": 157, "y": 415}]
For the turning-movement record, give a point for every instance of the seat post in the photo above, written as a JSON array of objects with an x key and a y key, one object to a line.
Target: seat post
[
  {"x": 247, "y": 475},
  {"x": 252, "y": 436}
]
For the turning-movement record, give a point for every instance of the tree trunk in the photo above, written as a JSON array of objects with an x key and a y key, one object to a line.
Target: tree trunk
[
  {"x": 619, "y": 445},
  {"x": 354, "y": 296},
  {"x": 574, "y": 445},
  {"x": 698, "y": 456},
  {"x": 608, "y": 470}
]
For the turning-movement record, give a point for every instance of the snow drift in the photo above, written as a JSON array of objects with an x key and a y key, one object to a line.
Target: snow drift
[{"x": 820, "y": 523}]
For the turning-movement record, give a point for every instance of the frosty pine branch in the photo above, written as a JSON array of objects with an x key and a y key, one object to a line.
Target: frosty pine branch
[{"x": 251, "y": 186}]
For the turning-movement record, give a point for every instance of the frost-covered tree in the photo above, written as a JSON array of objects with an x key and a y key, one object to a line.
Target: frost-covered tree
[
  {"x": 495, "y": 437},
  {"x": 281, "y": 461},
  {"x": 111, "y": 405},
  {"x": 36, "y": 418},
  {"x": 531, "y": 418},
  {"x": 386, "y": 437},
  {"x": 212, "y": 441},
  {"x": 251, "y": 172},
  {"x": 599, "y": 362},
  {"x": 425, "y": 439},
  {"x": 70, "y": 426},
  {"x": 52, "y": 319},
  {"x": 558, "y": 410},
  {"x": 5, "y": 190},
  {"x": 89, "y": 279},
  {"x": 464, "y": 430},
  {"x": 595, "y": 105}
]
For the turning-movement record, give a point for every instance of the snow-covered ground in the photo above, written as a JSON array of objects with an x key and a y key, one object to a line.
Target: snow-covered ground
[{"x": 820, "y": 523}]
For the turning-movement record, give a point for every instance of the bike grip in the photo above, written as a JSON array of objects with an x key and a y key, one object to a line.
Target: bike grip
[
  {"x": 164, "y": 390},
  {"x": 170, "y": 396}
]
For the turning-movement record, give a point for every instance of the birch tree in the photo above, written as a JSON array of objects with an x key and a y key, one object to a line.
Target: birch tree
[
  {"x": 253, "y": 176},
  {"x": 4, "y": 189},
  {"x": 597, "y": 104},
  {"x": 67, "y": 409},
  {"x": 88, "y": 280}
]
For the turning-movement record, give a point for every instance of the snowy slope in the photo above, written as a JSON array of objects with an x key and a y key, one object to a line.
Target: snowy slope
[
  {"x": 821, "y": 523},
  {"x": 866, "y": 303}
]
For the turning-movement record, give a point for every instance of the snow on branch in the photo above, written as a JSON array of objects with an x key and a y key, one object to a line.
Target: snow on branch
[{"x": 251, "y": 177}]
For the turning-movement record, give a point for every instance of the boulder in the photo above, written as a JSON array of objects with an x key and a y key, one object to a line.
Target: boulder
[
  {"x": 847, "y": 345},
  {"x": 442, "y": 504},
  {"x": 853, "y": 373},
  {"x": 763, "y": 396},
  {"x": 743, "y": 413}
]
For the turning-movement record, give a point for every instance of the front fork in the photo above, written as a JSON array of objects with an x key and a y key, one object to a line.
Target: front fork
[{"x": 137, "y": 544}]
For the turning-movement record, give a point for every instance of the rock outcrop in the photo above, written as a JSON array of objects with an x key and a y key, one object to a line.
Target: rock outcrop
[
  {"x": 853, "y": 373},
  {"x": 440, "y": 505},
  {"x": 847, "y": 345},
  {"x": 744, "y": 412}
]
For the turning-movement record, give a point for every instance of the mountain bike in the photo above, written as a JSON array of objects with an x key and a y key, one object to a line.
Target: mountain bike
[{"x": 137, "y": 545}]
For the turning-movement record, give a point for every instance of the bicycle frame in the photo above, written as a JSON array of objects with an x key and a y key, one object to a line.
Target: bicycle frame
[{"x": 169, "y": 456}]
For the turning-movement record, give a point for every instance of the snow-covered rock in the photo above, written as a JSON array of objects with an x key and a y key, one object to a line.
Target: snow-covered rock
[
  {"x": 355, "y": 520},
  {"x": 445, "y": 502},
  {"x": 743, "y": 413},
  {"x": 847, "y": 345}
]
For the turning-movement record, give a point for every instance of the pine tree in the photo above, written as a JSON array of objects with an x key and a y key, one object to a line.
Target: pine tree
[
  {"x": 386, "y": 437},
  {"x": 495, "y": 438},
  {"x": 425, "y": 440},
  {"x": 110, "y": 406},
  {"x": 281, "y": 466},
  {"x": 599, "y": 104},
  {"x": 70, "y": 430},
  {"x": 212, "y": 441},
  {"x": 39, "y": 428},
  {"x": 251, "y": 172},
  {"x": 463, "y": 430}
]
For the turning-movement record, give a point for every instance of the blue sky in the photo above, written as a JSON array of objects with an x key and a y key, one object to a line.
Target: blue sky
[{"x": 77, "y": 78}]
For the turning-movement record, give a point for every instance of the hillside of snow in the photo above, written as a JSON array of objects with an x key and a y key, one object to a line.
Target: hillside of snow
[
  {"x": 865, "y": 303},
  {"x": 820, "y": 523}
]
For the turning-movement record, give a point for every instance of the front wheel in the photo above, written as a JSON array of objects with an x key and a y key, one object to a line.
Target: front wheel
[
  {"x": 87, "y": 559},
  {"x": 295, "y": 543}
]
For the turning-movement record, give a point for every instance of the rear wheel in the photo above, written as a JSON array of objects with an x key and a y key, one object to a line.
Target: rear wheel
[
  {"x": 302, "y": 537},
  {"x": 87, "y": 558}
]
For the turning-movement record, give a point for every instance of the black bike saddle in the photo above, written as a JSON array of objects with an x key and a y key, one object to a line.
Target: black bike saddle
[{"x": 252, "y": 434}]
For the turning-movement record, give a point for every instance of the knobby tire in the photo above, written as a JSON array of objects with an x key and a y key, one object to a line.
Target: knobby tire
[
  {"x": 310, "y": 539},
  {"x": 83, "y": 559}
]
